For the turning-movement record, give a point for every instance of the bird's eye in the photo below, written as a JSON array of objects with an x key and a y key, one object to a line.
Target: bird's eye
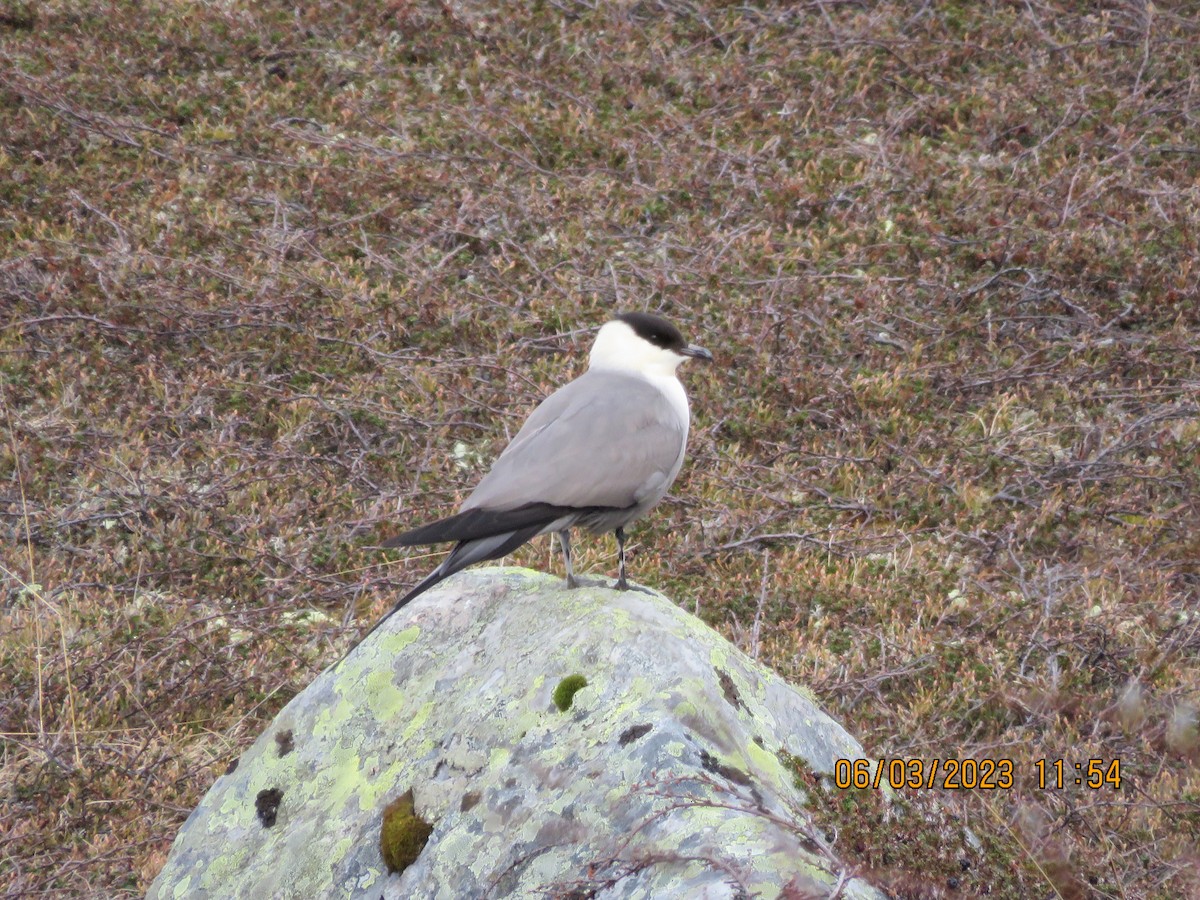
[{"x": 662, "y": 339}]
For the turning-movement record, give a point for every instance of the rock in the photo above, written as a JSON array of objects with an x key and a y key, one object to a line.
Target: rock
[{"x": 506, "y": 737}]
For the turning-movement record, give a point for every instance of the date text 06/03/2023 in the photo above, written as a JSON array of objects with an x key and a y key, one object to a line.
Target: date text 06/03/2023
[{"x": 973, "y": 774}]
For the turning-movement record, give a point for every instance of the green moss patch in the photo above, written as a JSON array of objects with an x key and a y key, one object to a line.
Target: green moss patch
[
  {"x": 564, "y": 694},
  {"x": 403, "y": 834}
]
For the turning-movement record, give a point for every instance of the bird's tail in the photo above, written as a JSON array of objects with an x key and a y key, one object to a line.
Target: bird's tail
[
  {"x": 422, "y": 586},
  {"x": 464, "y": 554}
]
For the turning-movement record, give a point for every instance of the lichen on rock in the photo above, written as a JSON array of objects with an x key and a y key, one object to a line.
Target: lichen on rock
[{"x": 672, "y": 785}]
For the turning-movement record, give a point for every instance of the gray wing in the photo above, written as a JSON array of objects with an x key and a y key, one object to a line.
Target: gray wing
[{"x": 605, "y": 439}]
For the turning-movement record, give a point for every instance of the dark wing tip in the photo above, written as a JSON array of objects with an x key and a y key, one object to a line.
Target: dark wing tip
[
  {"x": 474, "y": 524},
  {"x": 399, "y": 540}
]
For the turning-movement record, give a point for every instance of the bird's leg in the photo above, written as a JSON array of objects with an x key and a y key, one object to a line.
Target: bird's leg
[
  {"x": 622, "y": 584},
  {"x": 564, "y": 540},
  {"x": 573, "y": 580}
]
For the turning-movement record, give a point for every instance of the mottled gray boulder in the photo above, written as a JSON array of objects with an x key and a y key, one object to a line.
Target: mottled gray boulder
[{"x": 669, "y": 774}]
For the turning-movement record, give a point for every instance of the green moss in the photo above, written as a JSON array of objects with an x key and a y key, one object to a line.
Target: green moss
[
  {"x": 404, "y": 834},
  {"x": 564, "y": 694}
]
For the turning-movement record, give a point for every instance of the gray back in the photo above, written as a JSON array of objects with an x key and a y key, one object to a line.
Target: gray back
[{"x": 606, "y": 439}]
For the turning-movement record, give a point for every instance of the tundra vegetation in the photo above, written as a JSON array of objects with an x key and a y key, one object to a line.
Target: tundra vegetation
[{"x": 278, "y": 279}]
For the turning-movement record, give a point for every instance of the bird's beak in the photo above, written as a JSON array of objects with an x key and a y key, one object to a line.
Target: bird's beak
[{"x": 696, "y": 352}]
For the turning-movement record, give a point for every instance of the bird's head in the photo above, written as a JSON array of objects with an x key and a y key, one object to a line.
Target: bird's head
[{"x": 644, "y": 343}]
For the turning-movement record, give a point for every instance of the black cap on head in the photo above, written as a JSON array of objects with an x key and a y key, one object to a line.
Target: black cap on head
[{"x": 658, "y": 332}]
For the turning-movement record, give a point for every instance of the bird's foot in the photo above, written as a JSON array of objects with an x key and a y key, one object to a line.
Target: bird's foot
[
  {"x": 578, "y": 581},
  {"x": 622, "y": 585}
]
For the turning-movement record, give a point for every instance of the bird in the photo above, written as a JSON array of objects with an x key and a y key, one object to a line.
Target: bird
[{"x": 598, "y": 453}]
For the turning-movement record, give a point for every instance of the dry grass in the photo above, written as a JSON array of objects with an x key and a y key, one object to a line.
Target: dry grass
[{"x": 262, "y": 265}]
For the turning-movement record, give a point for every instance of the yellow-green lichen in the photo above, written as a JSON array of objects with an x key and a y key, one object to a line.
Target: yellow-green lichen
[
  {"x": 381, "y": 694},
  {"x": 403, "y": 834},
  {"x": 223, "y": 867},
  {"x": 341, "y": 779},
  {"x": 420, "y": 717},
  {"x": 564, "y": 694},
  {"x": 685, "y": 709},
  {"x": 394, "y": 643},
  {"x": 762, "y": 760},
  {"x": 718, "y": 656},
  {"x": 621, "y": 624}
]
